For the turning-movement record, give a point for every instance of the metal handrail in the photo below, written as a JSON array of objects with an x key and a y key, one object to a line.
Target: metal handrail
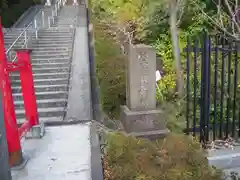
[
  {"x": 8, "y": 50},
  {"x": 55, "y": 10},
  {"x": 25, "y": 29}
]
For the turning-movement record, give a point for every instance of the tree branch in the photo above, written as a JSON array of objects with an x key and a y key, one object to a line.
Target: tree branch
[{"x": 233, "y": 15}]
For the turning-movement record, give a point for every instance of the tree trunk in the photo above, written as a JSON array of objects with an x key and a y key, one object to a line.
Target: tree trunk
[{"x": 176, "y": 51}]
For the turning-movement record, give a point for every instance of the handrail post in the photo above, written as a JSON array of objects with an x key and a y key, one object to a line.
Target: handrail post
[
  {"x": 25, "y": 38},
  {"x": 43, "y": 22},
  {"x": 36, "y": 30}
]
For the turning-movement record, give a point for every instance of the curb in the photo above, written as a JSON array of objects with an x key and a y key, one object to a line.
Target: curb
[
  {"x": 229, "y": 161},
  {"x": 96, "y": 162},
  {"x": 225, "y": 159}
]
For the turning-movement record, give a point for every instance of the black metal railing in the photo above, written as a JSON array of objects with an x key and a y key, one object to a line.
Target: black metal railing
[{"x": 213, "y": 95}]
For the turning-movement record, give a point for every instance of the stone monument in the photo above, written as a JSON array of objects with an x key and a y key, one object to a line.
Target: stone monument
[{"x": 140, "y": 116}]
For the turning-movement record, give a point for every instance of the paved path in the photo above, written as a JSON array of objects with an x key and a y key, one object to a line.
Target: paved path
[
  {"x": 64, "y": 153},
  {"x": 79, "y": 96}
]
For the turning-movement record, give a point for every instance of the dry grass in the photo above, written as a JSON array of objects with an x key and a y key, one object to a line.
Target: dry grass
[{"x": 176, "y": 157}]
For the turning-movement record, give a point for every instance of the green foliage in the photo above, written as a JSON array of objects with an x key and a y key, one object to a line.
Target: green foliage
[
  {"x": 175, "y": 157},
  {"x": 149, "y": 21},
  {"x": 110, "y": 71},
  {"x": 11, "y": 12}
]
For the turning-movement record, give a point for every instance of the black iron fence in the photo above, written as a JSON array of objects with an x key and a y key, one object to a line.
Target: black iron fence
[{"x": 212, "y": 86}]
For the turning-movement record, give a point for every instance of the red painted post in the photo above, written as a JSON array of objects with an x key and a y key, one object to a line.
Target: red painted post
[
  {"x": 27, "y": 83},
  {"x": 14, "y": 146}
]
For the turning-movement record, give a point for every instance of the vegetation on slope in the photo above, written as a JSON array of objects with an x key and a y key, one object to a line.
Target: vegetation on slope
[
  {"x": 175, "y": 157},
  {"x": 110, "y": 71}
]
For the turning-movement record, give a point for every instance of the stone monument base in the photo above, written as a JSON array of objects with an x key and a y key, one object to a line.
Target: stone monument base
[{"x": 148, "y": 124}]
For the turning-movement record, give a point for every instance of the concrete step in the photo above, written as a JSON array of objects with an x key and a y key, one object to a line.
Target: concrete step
[
  {"x": 51, "y": 65},
  {"x": 43, "y": 112},
  {"x": 44, "y": 81},
  {"x": 60, "y": 31},
  {"x": 44, "y": 88},
  {"x": 46, "y": 56},
  {"x": 53, "y": 34},
  {"x": 59, "y": 43},
  {"x": 19, "y": 43},
  {"x": 12, "y": 35},
  {"x": 12, "y": 39},
  {"x": 16, "y": 43},
  {"x": 51, "y": 70},
  {"x": 43, "y": 76},
  {"x": 66, "y": 25},
  {"x": 55, "y": 37},
  {"x": 44, "y": 95},
  {"x": 45, "y": 45},
  {"x": 55, "y": 40},
  {"x": 44, "y": 103},
  {"x": 43, "y": 119},
  {"x": 51, "y": 52},
  {"x": 43, "y": 49},
  {"x": 51, "y": 60},
  {"x": 45, "y": 37}
]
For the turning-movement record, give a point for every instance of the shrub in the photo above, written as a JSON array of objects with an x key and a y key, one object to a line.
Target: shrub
[
  {"x": 110, "y": 71},
  {"x": 175, "y": 157}
]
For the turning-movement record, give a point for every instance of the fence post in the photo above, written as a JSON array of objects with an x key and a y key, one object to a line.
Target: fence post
[
  {"x": 27, "y": 83},
  {"x": 13, "y": 141},
  {"x": 205, "y": 90}
]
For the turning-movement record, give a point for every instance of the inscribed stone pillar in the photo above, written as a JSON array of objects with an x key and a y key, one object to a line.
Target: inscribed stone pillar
[
  {"x": 141, "y": 78},
  {"x": 140, "y": 116}
]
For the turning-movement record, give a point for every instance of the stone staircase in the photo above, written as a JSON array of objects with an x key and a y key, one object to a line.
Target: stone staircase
[
  {"x": 73, "y": 19},
  {"x": 51, "y": 65}
]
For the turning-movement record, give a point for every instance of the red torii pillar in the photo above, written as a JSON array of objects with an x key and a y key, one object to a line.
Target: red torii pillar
[
  {"x": 14, "y": 146},
  {"x": 13, "y": 133}
]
